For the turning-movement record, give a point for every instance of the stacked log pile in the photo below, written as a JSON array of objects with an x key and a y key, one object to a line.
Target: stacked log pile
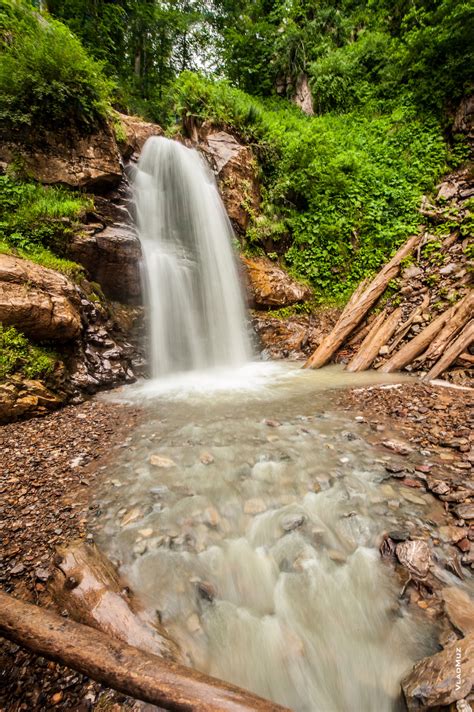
[{"x": 417, "y": 314}]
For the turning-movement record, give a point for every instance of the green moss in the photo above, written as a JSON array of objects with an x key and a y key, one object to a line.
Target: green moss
[
  {"x": 36, "y": 221},
  {"x": 18, "y": 355}
]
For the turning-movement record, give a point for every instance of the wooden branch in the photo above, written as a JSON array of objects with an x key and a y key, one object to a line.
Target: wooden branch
[
  {"x": 463, "y": 312},
  {"x": 463, "y": 341},
  {"x": 122, "y": 667},
  {"x": 358, "y": 306},
  {"x": 417, "y": 345},
  {"x": 87, "y": 586},
  {"x": 382, "y": 330}
]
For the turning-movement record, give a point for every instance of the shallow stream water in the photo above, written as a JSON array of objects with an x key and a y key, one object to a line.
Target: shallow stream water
[{"x": 248, "y": 512}]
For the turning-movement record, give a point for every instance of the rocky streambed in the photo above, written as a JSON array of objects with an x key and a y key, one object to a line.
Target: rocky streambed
[{"x": 286, "y": 535}]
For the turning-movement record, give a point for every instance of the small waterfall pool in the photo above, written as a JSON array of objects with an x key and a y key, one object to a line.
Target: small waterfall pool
[{"x": 247, "y": 511}]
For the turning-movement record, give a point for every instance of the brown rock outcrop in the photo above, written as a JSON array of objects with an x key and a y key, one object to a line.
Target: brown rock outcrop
[
  {"x": 441, "y": 679},
  {"x": 270, "y": 286},
  {"x": 69, "y": 158},
  {"x": 112, "y": 258},
  {"x": 237, "y": 173},
  {"x": 20, "y": 398},
  {"x": 38, "y": 301},
  {"x": 137, "y": 132}
]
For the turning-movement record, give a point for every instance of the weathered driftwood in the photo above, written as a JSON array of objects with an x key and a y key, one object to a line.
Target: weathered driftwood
[
  {"x": 358, "y": 306},
  {"x": 463, "y": 341},
  {"x": 418, "y": 344},
  {"x": 87, "y": 586},
  {"x": 382, "y": 330},
  {"x": 120, "y": 666},
  {"x": 463, "y": 311}
]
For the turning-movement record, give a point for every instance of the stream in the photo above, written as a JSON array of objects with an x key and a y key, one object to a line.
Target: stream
[{"x": 247, "y": 513}]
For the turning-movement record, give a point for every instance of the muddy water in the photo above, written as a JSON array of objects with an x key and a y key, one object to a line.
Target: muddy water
[{"x": 248, "y": 513}]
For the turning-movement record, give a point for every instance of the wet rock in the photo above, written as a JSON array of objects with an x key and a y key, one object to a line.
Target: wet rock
[
  {"x": 415, "y": 556},
  {"x": 193, "y": 624},
  {"x": 465, "y": 511},
  {"x": 437, "y": 486},
  {"x": 459, "y": 608},
  {"x": 272, "y": 423},
  {"x": 441, "y": 679},
  {"x": 206, "y": 458},
  {"x": 452, "y": 534},
  {"x": 254, "y": 506},
  {"x": 130, "y": 516},
  {"x": 237, "y": 175},
  {"x": 112, "y": 251},
  {"x": 293, "y": 521},
  {"x": 206, "y": 590},
  {"x": 399, "y": 535},
  {"x": 162, "y": 461},
  {"x": 397, "y": 446},
  {"x": 271, "y": 286},
  {"x": 137, "y": 132}
]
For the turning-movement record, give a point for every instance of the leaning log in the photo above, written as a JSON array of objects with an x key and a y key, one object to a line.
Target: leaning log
[
  {"x": 463, "y": 312},
  {"x": 418, "y": 344},
  {"x": 87, "y": 586},
  {"x": 405, "y": 327},
  {"x": 382, "y": 330},
  {"x": 122, "y": 667},
  {"x": 357, "y": 308},
  {"x": 463, "y": 341}
]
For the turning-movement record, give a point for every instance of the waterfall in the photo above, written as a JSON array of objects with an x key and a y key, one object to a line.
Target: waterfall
[{"x": 192, "y": 290}]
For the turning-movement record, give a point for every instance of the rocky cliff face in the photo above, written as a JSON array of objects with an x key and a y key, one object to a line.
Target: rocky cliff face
[{"x": 97, "y": 340}]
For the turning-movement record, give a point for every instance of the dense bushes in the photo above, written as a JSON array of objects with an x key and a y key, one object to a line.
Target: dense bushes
[
  {"x": 35, "y": 222},
  {"x": 46, "y": 77},
  {"x": 346, "y": 187}
]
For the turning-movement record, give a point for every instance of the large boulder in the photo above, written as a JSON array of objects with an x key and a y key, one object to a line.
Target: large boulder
[
  {"x": 441, "y": 679},
  {"x": 137, "y": 132},
  {"x": 89, "y": 161},
  {"x": 237, "y": 173},
  {"x": 270, "y": 286},
  {"x": 40, "y": 302},
  {"x": 112, "y": 258}
]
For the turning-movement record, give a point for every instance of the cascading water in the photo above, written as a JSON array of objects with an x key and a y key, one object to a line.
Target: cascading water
[{"x": 196, "y": 310}]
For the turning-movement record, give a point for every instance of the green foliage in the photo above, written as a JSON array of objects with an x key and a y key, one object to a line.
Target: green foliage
[
  {"x": 345, "y": 187},
  {"x": 17, "y": 354},
  {"x": 46, "y": 77},
  {"x": 36, "y": 221}
]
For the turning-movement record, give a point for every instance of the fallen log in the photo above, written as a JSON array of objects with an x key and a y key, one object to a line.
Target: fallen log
[
  {"x": 463, "y": 312},
  {"x": 463, "y": 341},
  {"x": 87, "y": 586},
  {"x": 381, "y": 331},
  {"x": 418, "y": 344},
  {"x": 122, "y": 667},
  {"x": 358, "y": 306}
]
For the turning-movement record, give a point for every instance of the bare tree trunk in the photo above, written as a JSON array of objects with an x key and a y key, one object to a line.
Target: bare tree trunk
[
  {"x": 120, "y": 666},
  {"x": 86, "y": 585},
  {"x": 463, "y": 341},
  {"x": 358, "y": 307},
  {"x": 382, "y": 330}
]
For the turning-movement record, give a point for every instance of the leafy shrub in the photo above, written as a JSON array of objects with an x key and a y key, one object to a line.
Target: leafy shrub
[
  {"x": 346, "y": 187},
  {"x": 36, "y": 220},
  {"x": 17, "y": 354},
  {"x": 46, "y": 77}
]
